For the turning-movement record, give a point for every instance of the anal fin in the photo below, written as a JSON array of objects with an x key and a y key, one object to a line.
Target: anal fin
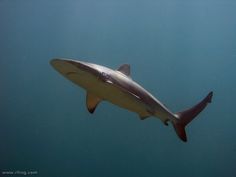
[
  {"x": 144, "y": 116},
  {"x": 92, "y": 102}
]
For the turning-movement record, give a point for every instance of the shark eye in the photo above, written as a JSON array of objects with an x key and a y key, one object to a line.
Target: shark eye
[{"x": 104, "y": 76}]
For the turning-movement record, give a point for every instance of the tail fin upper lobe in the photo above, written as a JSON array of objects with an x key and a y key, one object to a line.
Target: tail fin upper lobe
[{"x": 188, "y": 115}]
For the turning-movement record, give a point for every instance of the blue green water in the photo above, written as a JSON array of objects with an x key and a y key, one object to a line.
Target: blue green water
[{"x": 179, "y": 50}]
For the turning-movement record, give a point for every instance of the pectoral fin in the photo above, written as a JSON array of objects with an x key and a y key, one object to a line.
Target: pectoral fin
[{"x": 92, "y": 102}]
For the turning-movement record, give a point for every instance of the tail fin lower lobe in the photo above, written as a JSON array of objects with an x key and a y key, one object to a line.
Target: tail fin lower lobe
[{"x": 185, "y": 117}]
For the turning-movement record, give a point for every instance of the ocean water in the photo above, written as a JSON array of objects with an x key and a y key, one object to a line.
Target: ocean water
[{"x": 178, "y": 50}]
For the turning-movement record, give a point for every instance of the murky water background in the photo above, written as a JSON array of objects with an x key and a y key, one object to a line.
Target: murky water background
[{"x": 178, "y": 50}]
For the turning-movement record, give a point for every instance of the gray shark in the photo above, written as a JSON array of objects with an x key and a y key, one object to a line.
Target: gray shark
[{"x": 117, "y": 87}]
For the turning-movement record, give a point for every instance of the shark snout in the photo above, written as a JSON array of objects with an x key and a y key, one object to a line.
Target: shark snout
[
  {"x": 68, "y": 67},
  {"x": 57, "y": 62},
  {"x": 63, "y": 66}
]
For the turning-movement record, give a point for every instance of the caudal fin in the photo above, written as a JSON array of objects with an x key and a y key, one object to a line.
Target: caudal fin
[{"x": 184, "y": 117}]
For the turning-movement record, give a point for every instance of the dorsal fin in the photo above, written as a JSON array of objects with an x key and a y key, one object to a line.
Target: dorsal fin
[
  {"x": 125, "y": 69},
  {"x": 92, "y": 102}
]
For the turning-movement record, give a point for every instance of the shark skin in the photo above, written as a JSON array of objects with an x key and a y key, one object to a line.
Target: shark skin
[{"x": 118, "y": 88}]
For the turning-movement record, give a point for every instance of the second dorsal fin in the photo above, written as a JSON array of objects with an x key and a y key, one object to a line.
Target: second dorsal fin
[
  {"x": 92, "y": 102},
  {"x": 125, "y": 69}
]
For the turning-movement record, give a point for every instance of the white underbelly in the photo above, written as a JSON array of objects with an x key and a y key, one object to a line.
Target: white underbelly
[
  {"x": 109, "y": 92},
  {"x": 121, "y": 98}
]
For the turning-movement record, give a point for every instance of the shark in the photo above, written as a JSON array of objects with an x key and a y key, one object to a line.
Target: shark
[{"x": 117, "y": 87}]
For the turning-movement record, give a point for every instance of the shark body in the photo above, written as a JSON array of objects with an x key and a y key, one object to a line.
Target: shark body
[{"x": 117, "y": 87}]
